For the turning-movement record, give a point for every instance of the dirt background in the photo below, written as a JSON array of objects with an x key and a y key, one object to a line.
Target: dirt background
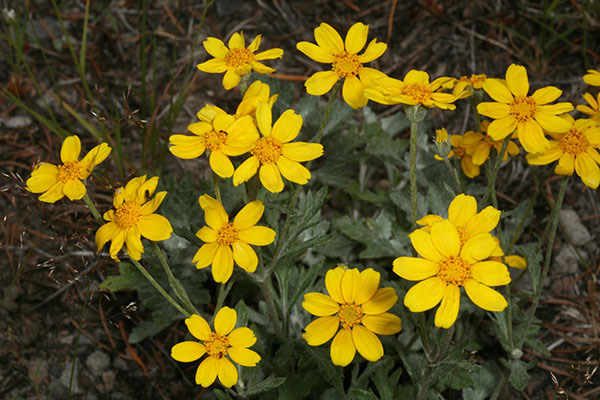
[{"x": 48, "y": 260}]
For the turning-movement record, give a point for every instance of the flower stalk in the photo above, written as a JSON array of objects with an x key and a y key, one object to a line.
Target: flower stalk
[{"x": 415, "y": 114}]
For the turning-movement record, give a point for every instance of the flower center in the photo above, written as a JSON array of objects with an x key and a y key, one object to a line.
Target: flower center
[
  {"x": 523, "y": 108},
  {"x": 475, "y": 80},
  {"x": 350, "y": 315},
  {"x": 128, "y": 214},
  {"x": 346, "y": 65},
  {"x": 421, "y": 93},
  {"x": 214, "y": 140},
  {"x": 68, "y": 171},
  {"x": 216, "y": 345},
  {"x": 462, "y": 234},
  {"x": 227, "y": 235},
  {"x": 239, "y": 57},
  {"x": 459, "y": 152},
  {"x": 454, "y": 270},
  {"x": 573, "y": 142},
  {"x": 267, "y": 150}
]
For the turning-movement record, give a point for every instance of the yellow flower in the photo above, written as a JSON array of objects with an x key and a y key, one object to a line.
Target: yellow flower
[
  {"x": 479, "y": 145},
  {"x": 273, "y": 155},
  {"x": 225, "y": 136},
  {"x": 345, "y": 61},
  {"x": 593, "y": 110},
  {"x": 592, "y": 77},
  {"x": 357, "y": 305},
  {"x": 226, "y": 242},
  {"x": 133, "y": 217},
  {"x": 513, "y": 261},
  {"x": 529, "y": 115},
  {"x": 475, "y": 81},
  {"x": 415, "y": 89},
  {"x": 446, "y": 265},
  {"x": 219, "y": 346},
  {"x": 575, "y": 150},
  {"x": 236, "y": 60},
  {"x": 462, "y": 151},
  {"x": 65, "y": 179}
]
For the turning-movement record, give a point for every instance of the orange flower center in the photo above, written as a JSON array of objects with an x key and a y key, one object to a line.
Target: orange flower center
[
  {"x": 216, "y": 345},
  {"x": 350, "y": 315},
  {"x": 420, "y": 93},
  {"x": 346, "y": 65},
  {"x": 462, "y": 234},
  {"x": 459, "y": 152},
  {"x": 267, "y": 150},
  {"x": 239, "y": 57},
  {"x": 573, "y": 142},
  {"x": 227, "y": 235},
  {"x": 475, "y": 80},
  {"x": 68, "y": 171},
  {"x": 523, "y": 108},
  {"x": 214, "y": 140},
  {"x": 128, "y": 214},
  {"x": 454, "y": 270}
]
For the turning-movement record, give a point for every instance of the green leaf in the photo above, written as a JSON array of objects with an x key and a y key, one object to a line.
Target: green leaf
[
  {"x": 375, "y": 235},
  {"x": 538, "y": 346},
  {"x": 269, "y": 383},
  {"x": 144, "y": 330},
  {"x": 360, "y": 394},
  {"x": 533, "y": 263},
  {"x": 221, "y": 395},
  {"x": 518, "y": 377},
  {"x": 128, "y": 279},
  {"x": 485, "y": 381},
  {"x": 332, "y": 374}
]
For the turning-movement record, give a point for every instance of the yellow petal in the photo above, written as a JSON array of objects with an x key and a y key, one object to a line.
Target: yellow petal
[
  {"x": 333, "y": 283},
  {"x": 356, "y": 38},
  {"x": 227, "y": 372},
  {"x": 152, "y": 205},
  {"x": 416, "y": 77},
  {"x": 133, "y": 242},
  {"x": 446, "y": 314},
  {"x": 213, "y": 66},
  {"x": 478, "y": 247},
  {"x": 268, "y": 55},
  {"x": 264, "y": 118},
  {"x": 70, "y": 149},
  {"x": 301, "y": 151},
  {"x": 215, "y": 47},
  {"x": 374, "y": 51},
  {"x": 501, "y": 128},
  {"x": 257, "y": 235},
  {"x": 231, "y": 79},
  {"x": 369, "y": 282},
  {"x": 498, "y": 91},
  {"x": 249, "y": 215},
  {"x": 588, "y": 170},
  {"x": 425, "y": 295},
  {"x": 423, "y": 244},
  {"x": 214, "y": 214},
  {"x": 243, "y": 356},
  {"x": 225, "y": 320},
  {"x": 428, "y": 220},
  {"x": 462, "y": 209},
  {"x": 244, "y": 256},
  {"x": 353, "y": 92},
  {"x": 293, "y": 171},
  {"x": 116, "y": 243},
  {"x": 155, "y": 227},
  {"x": 491, "y": 273},
  {"x": 315, "y": 52},
  {"x": 565, "y": 166},
  {"x": 221, "y": 164},
  {"x": 415, "y": 269},
  {"x": 321, "y": 330},
  {"x": 205, "y": 255},
  {"x": 516, "y": 80},
  {"x": 350, "y": 285},
  {"x": 320, "y": 304},
  {"x": 342, "y": 349},
  {"x": 287, "y": 126},
  {"x": 187, "y": 351},
  {"x": 271, "y": 178},
  {"x": 198, "y": 327},
  {"x": 328, "y": 39},
  {"x": 552, "y": 123},
  {"x": 186, "y": 147},
  {"x": 246, "y": 170},
  {"x": 493, "y": 110},
  {"x": 241, "y": 337},
  {"x": 368, "y": 345},
  {"x": 321, "y": 82},
  {"x": 74, "y": 189},
  {"x": 445, "y": 238},
  {"x": 546, "y": 95},
  {"x": 532, "y": 137},
  {"x": 516, "y": 261},
  {"x": 484, "y": 221},
  {"x": 382, "y": 301},
  {"x": 383, "y": 324},
  {"x": 104, "y": 234},
  {"x": 485, "y": 297},
  {"x": 43, "y": 177},
  {"x": 222, "y": 266},
  {"x": 207, "y": 372},
  {"x": 236, "y": 41},
  {"x": 255, "y": 44},
  {"x": 366, "y": 75}
]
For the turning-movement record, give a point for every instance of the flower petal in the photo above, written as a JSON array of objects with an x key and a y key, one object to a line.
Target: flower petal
[
  {"x": 423, "y": 244},
  {"x": 105, "y": 233},
  {"x": 215, "y": 47},
  {"x": 425, "y": 295},
  {"x": 367, "y": 343},
  {"x": 546, "y": 95},
  {"x": 333, "y": 283},
  {"x": 485, "y": 297},
  {"x": 213, "y": 66},
  {"x": 155, "y": 227},
  {"x": 321, "y": 82},
  {"x": 221, "y": 164},
  {"x": 328, "y": 39},
  {"x": 493, "y": 110},
  {"x": 225, "y": 320},
  {"x": 484, "y": 221},
  {"x": 227, "y": 372},
  {"x": 415, "y": 269},
  {"x": 287, "y": 126},
  {"x": 445, "y": 238},
  {"x": 478, "y": 247},
  {"x": 74, "y": 189},
  {"x": 383, "y": 324},
  {"x": 257, "y": 235},
  {"x": 516, "y": 80},
  {"x": 356, "y": 38},
  {"x": 342, "y": 349},
  {"x": 462, "y": 209},
  {"x": 205, "y": 255},
  {"x": 70, "y": 149},
  {"x": 231, "y": 79},
  {"x": 222, "y": 266},
  {"x": 588, "y": 170},
  {"x": 502, "y": 127},
  {"x": 207, "y": 372},
  {"x": 243, "y": 356},
  {"x": 374, "y": 50},
  {"x": 246, "y": 170},
  {"x": 446, "y": 314},
  {"x": 271, "y": 178},
  {"x": 532, "y": 137},
  {"x": 382, "y": 301},
  {"x": 198, "y": 327},
  {"x": 187, "y": 351},
  {"x": 491, "y": 273},
  {"x": 214, "y": 213},
  {"x": 244, "y": 256},
  {"x": 293, "y": 171},
  {"x": 321, "y": 330},
  {"x": 369, "y": 282},
  {"x": 353, "y": 92},
  {"x": 301, "y": 151},
  {"x": 315, "y": 52},
  {"x": 42, "y": 178},
  {"x": 133, "y": 241},
  {"x": 350, "y": 285},
  {"x": 497, "y": 90},
  {"x": 249, "y": 215},
  {"x": 241, "y": 337}
]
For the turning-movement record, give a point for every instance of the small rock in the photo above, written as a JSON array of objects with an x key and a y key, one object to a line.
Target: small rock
[
  {"x": 567, "y": 262},
  {"x": 65, "y": 337},
  {"x": 108, "y": 377},
  {"x": 65, "y": 377},
  {"x": 120, "y": 364},
  {"x": 97, "y": 362},
  {"x": 574, "y": 228}
]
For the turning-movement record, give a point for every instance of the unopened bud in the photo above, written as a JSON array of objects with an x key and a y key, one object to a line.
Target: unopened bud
[{"x": 442, "y": 142}]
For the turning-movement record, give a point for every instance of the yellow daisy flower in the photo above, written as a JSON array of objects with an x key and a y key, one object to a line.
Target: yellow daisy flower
[
  {"x": 475, "y": 81},
  {"x": 592, "y": 77},
  {"x": 237, "y": 60},
  {"x": 446, "y": 265},
  {"x": 225, "y": 136},
  {"x": 345, "y": 62},
  {"x": 415, "y": 89},
  {"x": 575, "y": 150},
  {"x": 133, "y": 217},
  {"x": 480, "y": 145},
  {"x": 55, "y": 182},
  {"x": 462, "y": 151},
  {"x": 357, "y": 306},
  {"x": 226, "y": 242},
  {"x": 593, "y": 110},
  {"x": 273, "y": 155},
  {"x": 529, "y": 115},
  {"x": 219, "y": 346}
]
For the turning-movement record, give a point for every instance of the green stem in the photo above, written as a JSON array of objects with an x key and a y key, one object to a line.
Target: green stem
[
  {"x": 453, "y": 174},
  {"x": 538, "y": 290},
  {"x": 443, "y": 349},
  {"x": 415, "y": 115},
  {"x": 175, "y": 284},
  {"x": 216, "y": 185},
  {"x": 159, "y": 288},
  {"x": 491, "y": 188},
  {"x": 332, "y": 97},
  {"x": 268, "y": 294},
  {"x": 93, "y": 209}
]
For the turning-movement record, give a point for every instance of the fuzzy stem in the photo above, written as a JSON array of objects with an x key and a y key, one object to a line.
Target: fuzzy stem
[
  {"x": 93, "y": 209},
  {"x": 491, "y": 188},
  {"x": 217, "y": 189},
  {"x": 415, "y": 115}
]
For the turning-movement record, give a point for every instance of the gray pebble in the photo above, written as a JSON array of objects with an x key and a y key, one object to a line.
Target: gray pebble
[
  {"x": 574, "y": 228},
  {"x": 97, "y": 362}
]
